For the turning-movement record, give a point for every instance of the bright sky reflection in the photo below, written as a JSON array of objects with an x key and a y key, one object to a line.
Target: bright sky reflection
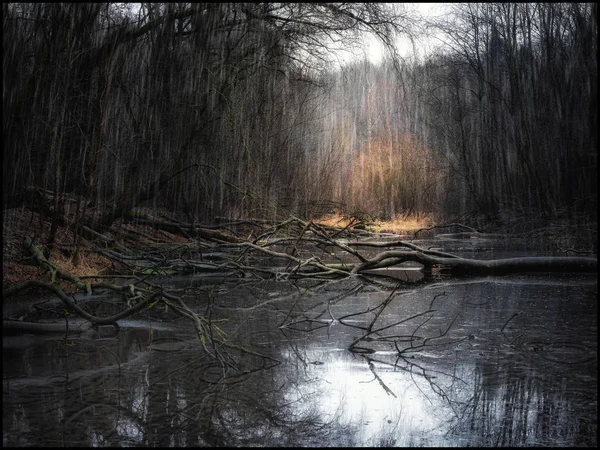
[{"x": 349, "y": 393}]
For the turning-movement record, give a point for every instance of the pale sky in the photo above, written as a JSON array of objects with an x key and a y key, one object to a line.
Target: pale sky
[{"x": 374, "y": 49}]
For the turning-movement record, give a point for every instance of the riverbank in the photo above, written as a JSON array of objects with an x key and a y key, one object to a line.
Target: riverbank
[{"x": 74, "y": 254}]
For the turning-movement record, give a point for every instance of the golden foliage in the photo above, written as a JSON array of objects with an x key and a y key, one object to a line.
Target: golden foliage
[{"x": 390, "y": 177}]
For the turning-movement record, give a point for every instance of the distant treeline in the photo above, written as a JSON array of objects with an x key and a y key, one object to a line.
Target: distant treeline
[{"x": 231, "y": 109}]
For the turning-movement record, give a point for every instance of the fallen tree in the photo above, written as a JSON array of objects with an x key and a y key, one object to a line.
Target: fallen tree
[
  {"x": 464, "y": 266},
  {"x": 295, "y": 248},
  {"x": 17, "y": 326},
  {"x": 177, "y": 227}
]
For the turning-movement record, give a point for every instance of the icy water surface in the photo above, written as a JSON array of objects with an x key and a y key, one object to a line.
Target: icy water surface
[{"x": 495, "y": 361}]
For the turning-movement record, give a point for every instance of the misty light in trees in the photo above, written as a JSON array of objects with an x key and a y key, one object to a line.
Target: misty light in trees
[{"x": 237, "y": 110}]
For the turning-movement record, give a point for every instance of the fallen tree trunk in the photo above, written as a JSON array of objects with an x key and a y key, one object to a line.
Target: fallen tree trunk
[
  {"x": 16, "y": 326},
  {"x": 463, "y": 266},
  {"x": 181, "y": 228}
]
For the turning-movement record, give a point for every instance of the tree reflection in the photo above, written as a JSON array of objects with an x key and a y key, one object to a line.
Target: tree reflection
[
  {"x": 162, "y": 389},
  {"x": 513, "y": 404}
]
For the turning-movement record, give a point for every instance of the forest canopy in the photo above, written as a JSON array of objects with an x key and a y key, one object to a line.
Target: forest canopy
[{"x": 235, "y": 110}]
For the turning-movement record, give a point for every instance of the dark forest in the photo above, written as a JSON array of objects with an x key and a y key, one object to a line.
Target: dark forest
[{"x": 231, "y": 110}]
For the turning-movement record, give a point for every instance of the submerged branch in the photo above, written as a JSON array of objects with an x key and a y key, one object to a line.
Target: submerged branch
[{"x": 135, "y": 300}]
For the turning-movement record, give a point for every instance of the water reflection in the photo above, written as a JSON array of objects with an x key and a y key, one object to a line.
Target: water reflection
[{"x": 518, "y": 366}]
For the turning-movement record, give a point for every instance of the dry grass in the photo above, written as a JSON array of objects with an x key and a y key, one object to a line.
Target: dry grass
[
  {"x": 400, "y": 225},
  {"x": 406, "y": 225}
]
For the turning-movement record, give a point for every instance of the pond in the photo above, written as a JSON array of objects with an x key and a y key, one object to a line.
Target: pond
[{"x": 487, "y": 361}]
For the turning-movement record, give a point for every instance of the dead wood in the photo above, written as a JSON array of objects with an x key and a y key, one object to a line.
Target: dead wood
[
  {"x": 465, "y": 266},
  {"x": 304, "y": 254},
  {"x": 180, "y": 228},
  {"x": 142, "y": 299},
  {"x": 135, "y": 299},
  {"x": 17, "y": 326}
]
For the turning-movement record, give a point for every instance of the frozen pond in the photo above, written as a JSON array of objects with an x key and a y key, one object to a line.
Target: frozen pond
[{"x": 493, "y": 361}]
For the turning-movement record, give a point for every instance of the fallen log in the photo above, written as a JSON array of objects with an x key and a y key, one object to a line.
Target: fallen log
[
  {"x": 16, "y": 326},
  {"x": 463, "y": 266},
  {"x": 180, "y": 228}
]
